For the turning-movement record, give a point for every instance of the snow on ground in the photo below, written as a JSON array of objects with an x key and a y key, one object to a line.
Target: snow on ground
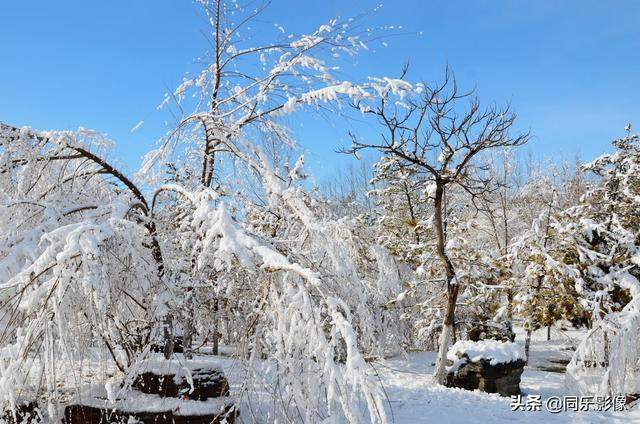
[{"x": 414, "y": 398}]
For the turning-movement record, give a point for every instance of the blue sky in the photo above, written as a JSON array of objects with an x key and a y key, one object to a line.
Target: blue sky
[{"x": 569, "y": 68}]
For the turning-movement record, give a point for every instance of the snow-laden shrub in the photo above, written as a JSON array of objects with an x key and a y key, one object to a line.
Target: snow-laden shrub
[{"x": 601, "y": 249}]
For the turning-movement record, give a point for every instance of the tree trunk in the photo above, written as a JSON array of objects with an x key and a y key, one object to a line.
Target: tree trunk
[
  {"x": 447, "y": 332},
  {"x": 452, "y": 287},
  {"x": 168, "y": 335},
  {"x": 527, "y": 340},
  {"x": 443, "y": 346},
  {"x": 510, "y": 304},
  {"x": 187, "y": 339},
  {"x": 548, "y": 333},
  {"x": 189, "y": 327},
  {"x": 216, "y": 341},
  {"x": 216, "y": 327}
]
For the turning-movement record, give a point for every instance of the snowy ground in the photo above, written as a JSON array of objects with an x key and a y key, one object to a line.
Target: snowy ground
[{"x": 414, "y": 398}]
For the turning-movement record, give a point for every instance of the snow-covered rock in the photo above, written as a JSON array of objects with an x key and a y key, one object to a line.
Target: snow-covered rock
[
  {"x": 491, "y": 366},
  {"x": 496, "y": 352}
]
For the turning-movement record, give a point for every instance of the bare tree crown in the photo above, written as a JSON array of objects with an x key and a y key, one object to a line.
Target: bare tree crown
[{"x": 441, "y": 130}]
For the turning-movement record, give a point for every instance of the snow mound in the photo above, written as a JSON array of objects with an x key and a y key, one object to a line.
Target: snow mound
[
  {"x": 132, "y": 401},
  {"x": 495, "y": 351},
  {"x": 159, "y": 365}
]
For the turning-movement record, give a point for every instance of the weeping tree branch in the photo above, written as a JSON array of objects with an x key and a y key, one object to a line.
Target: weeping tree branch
[{"x": 13, "y": 133}]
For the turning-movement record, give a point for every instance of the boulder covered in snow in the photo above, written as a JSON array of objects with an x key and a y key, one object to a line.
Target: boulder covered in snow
[
  {"x": 164, "y": 391},
  {"x": 198, "y": 384},
  {"x": 150, "y": 409},
  {"x": 488, "y": 365}
]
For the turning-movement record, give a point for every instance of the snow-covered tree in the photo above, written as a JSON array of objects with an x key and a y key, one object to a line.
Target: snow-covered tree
[
  {"x": 544, "y": 287},
  {"x": 80, "y": 261},
  {"x": 602, "y": 250},
  {"x": 434, "y": 132}
]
